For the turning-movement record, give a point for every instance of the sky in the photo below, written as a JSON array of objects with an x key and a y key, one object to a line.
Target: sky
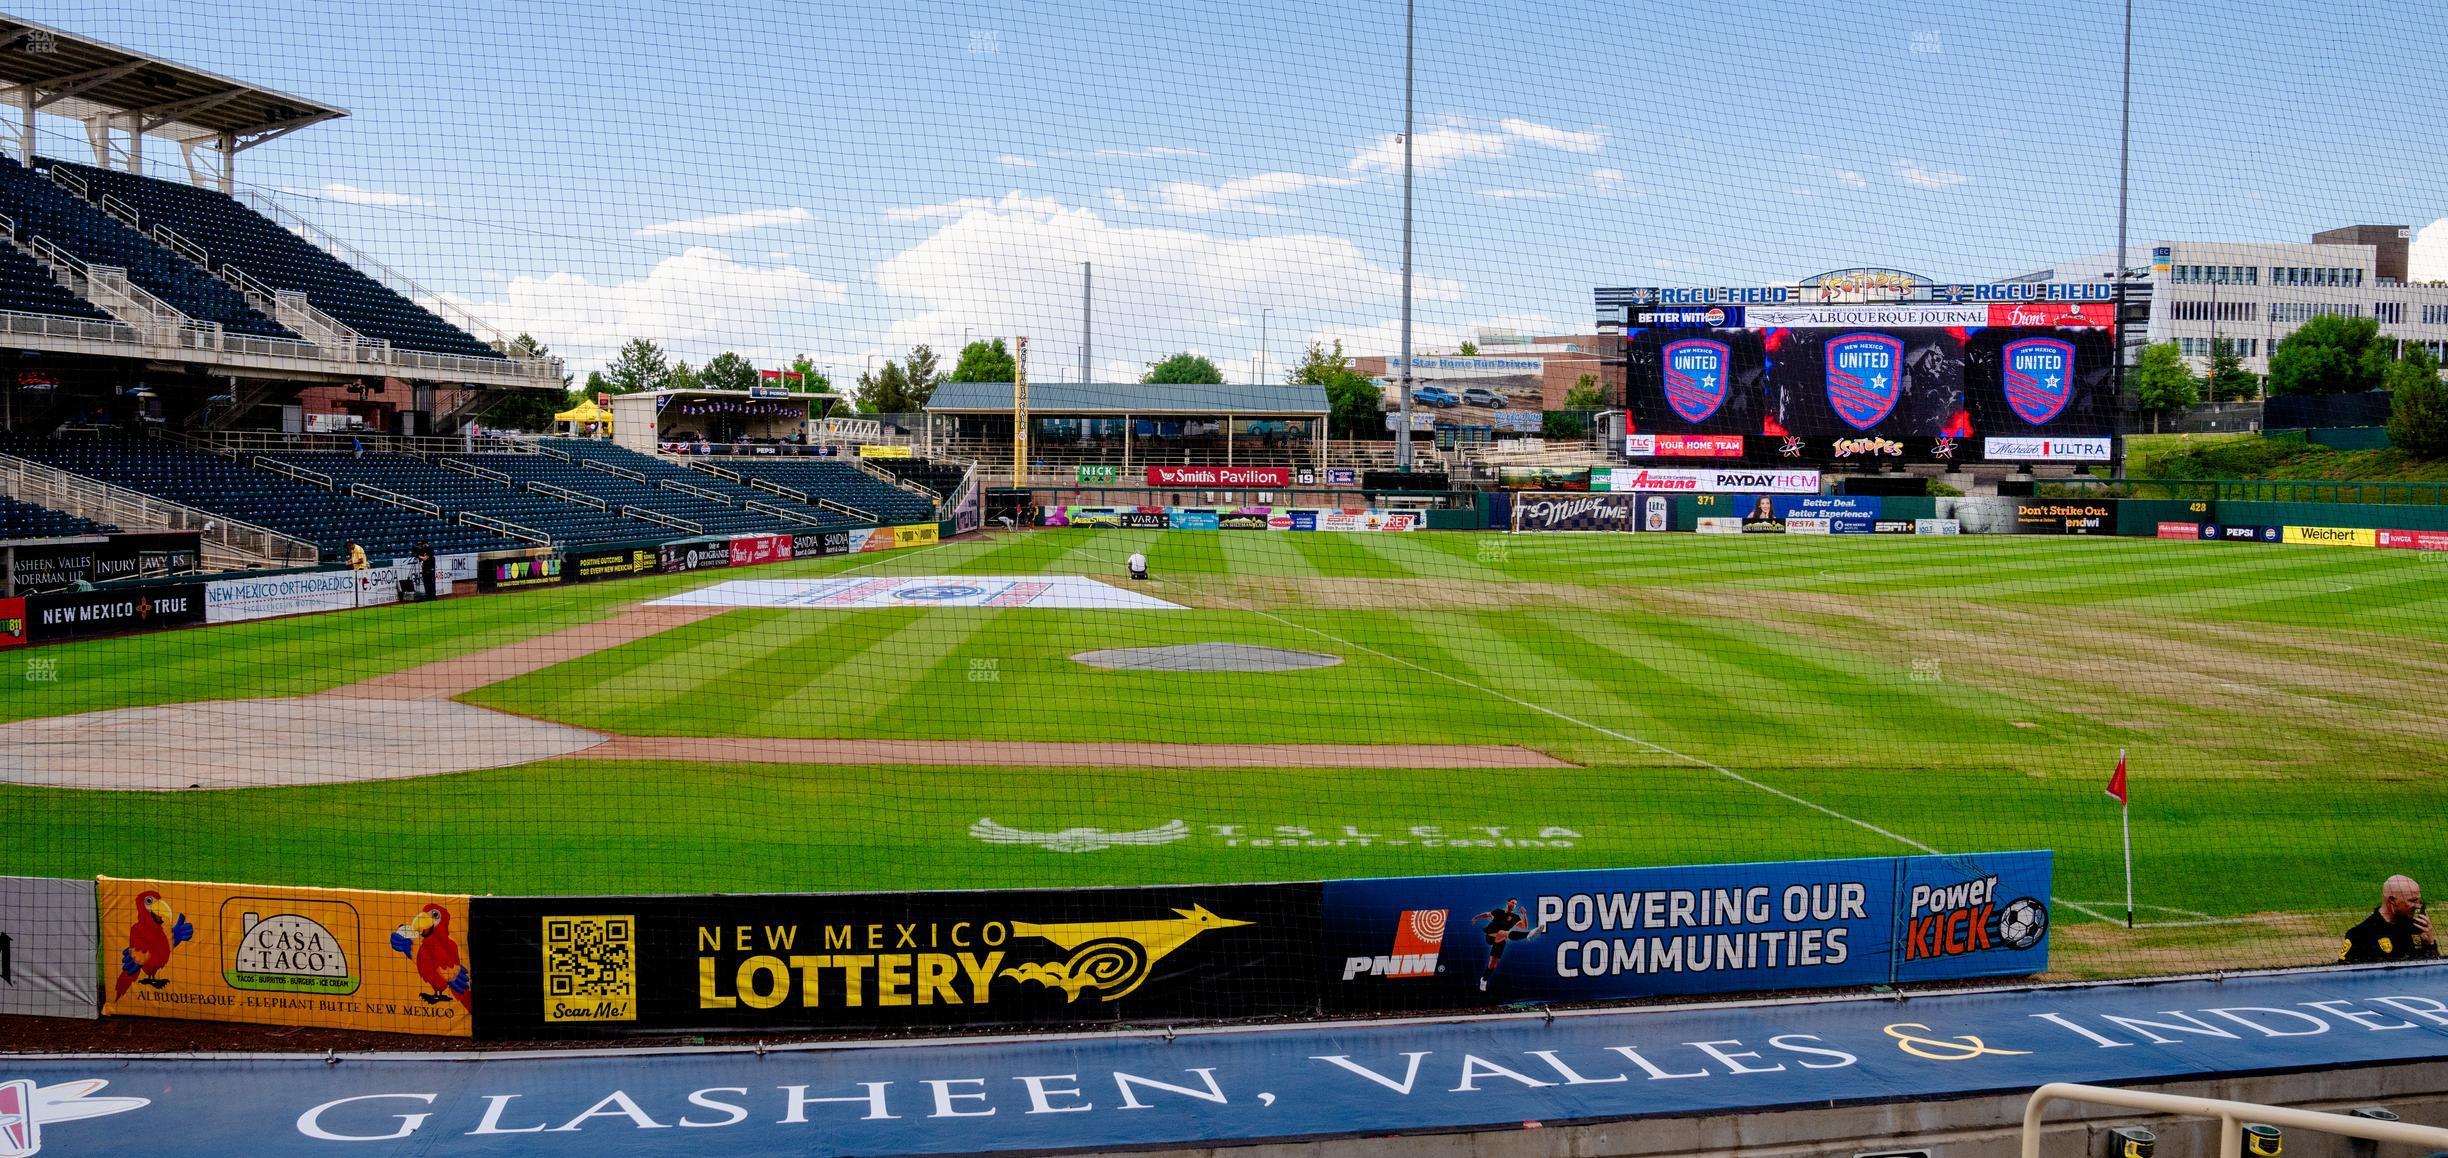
[{"x": 847, "y": 181}]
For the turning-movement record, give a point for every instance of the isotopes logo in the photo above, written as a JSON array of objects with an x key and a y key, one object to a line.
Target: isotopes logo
[
  {"x": 1418, "y": 938},
  {"x": 1696, "y": 377},
  {"x": 1864, "y": 377}
]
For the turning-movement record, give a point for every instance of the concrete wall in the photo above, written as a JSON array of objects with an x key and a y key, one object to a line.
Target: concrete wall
[{"x": 1984, "y": 1127}]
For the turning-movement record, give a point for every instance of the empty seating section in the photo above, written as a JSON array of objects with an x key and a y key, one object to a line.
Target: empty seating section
[
  {"x": 709, "y": 516},
  {"x": 27, "y": 288},
  {"x": 44, "y": 210},
  {"x": 232, "y": 234},
  {"x": 841, "y": 482},
  {"x": 563, "y": 521},
  {"x": 24, "y": 520},
  {"x": 939, "y": 477},
  {"x": 329, "y": 519},
  {"x": 659, "y": 470}
]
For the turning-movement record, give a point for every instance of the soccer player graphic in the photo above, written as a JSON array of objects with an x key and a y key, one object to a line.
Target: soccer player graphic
[{"x": 1503, "y": 927}]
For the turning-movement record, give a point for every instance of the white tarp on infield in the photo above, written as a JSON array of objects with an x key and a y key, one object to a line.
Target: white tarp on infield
[{"x": 1062, "y": 592}]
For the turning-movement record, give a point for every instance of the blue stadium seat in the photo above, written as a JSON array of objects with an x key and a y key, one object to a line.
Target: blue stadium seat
[
  {"x": 27, "y": 288},
  {"x": 568, "y": 523},
  {"x": 24, "y": 520},
  {"x": 658, "y": 469},
  {"x": 232, "y": 234},
  {"x": 44, "y": 210},
  {"x": 841, "y": 482}
]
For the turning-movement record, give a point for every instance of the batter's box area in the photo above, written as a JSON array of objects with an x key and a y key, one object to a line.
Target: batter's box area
[{"x": 850, "y": 593}]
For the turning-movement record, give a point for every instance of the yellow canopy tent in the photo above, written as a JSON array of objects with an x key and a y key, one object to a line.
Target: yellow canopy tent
[{"x": 585, "y": 411}]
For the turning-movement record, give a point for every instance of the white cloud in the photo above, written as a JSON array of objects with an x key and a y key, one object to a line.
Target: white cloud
[
  {"x": 1520, "y": 194},
  {"x": 1384, "y": 337},
  {"x": 721, "y": 223},
  {"x": 1016, "y": 161},
  {"x": 1150, "y": 151},
  {"x": 356, "y": 195},
  {"x": 2427, "y": 257},
  {"x": 1913, "y": 172},
  {"x": 1239, "y": 192},
  {"x": 1447, "y": 144},
  {"x": 1851, "y": 180},
  {"x": 1014, "y": 200},
  {"x": 1012, "y": 267},
  {"x": 1607, "y": 176},
  {"x": 697, "y": 303}
]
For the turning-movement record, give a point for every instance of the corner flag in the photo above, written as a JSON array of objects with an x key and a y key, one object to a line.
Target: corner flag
[
  {"x": 2116, "y": 783},
  {"x": 2116, "y": 792}
]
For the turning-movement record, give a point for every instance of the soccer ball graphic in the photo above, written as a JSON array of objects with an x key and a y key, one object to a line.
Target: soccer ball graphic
[{"x": 2022, "y": 923}]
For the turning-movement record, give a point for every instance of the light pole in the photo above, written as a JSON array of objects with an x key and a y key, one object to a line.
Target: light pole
[
  {"x": 1263, "y": 352},
  {"x": 1402, "y": 433},
  {"x": 2124, "y": 168}
]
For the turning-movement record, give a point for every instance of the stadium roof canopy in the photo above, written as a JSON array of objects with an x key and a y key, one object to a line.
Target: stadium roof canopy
[
  {"x": 77, "y": 76},
  {"x": 1072, "y": 398}
]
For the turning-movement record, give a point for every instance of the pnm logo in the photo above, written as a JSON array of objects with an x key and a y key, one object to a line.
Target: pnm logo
[
  {"x": 1864, "y": 377},
  {"x": 2039, "y": 378},
  {"x": 1418, "y": 939},
  {"x": 1111, "y": 957},
  {"x": 1695, "y": 377},
  {"x": 26, "y": 1108}
]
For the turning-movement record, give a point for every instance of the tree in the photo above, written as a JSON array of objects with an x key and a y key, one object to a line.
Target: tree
[
  {"x": 728, "y": 371},
  {"x": 1469, "y": 349},
  {"x": 1585, "y": 394},
  {"x": 804, "y": 375},
  {"x": 983, "y": 362},
  {"x": 527, "y": 410},
  {"x": 2418, "y": 406},
  {"x": 922, "y": 374},
  {"x": 2331, "y": 355},
  {"x": 639, "y": 366},
  {"x": 884, "y": 391},
  {"x": 1183, "y": 369},
  {"x": 2162, "y": 382},
  {"x": 2229, "y": 380},
  {"x": 1355, "y": 406},
  {"x": 680, "y": 378}
]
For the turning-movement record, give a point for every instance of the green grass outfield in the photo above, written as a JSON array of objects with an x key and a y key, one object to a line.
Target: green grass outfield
[{"x": 1724, "y": 698}]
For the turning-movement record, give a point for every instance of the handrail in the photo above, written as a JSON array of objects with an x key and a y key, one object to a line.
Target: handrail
[
  {"x": 622, "y": 471},
  {"x": 122, "y": 211},
  {"x": 291, "y": 470},
  {"x": 692, "y": 527},
  {"x": 394, "y": 280},
  {"x": 723, "y": 472},
  {"x": 110, "y": 503},
  {"x": 780, "y": 512},
  {"x": 794, "y": 494},
  {"x": 177, "y": 243},
  {"x": 71, "y": 182},
  {"x": 550, "y": 451},
  {"x": 2231, "y": 1116},
  {"x": 394, "y": 498},
  {"x": 504, "y": 527},
  {"x": 482, "y": 472},
  {"x": 568, "y": 496},
  {"x": 841, "y": 508},
  {"x": 700, "y": 492}
]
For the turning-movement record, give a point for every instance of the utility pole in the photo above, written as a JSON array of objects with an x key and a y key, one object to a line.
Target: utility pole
[
  {"x": 1264, "y": 354},
  {"x": 1087, "y": 311},
  {"x": 2124, "y": 168},
  {"x": 1402, "y": 432}
]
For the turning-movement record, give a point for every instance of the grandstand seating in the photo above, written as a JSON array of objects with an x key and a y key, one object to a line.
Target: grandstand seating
[
  {"x": 841, "y": 482},
  {"x": 713, "y": 517},
  {"x": 329, "y": 519},
  {"x": 566, "y": 523},
  {"x": 27, "y": 288},
  {"x": 24, "y": 520},
  {"x": 939, "y": 477},
  {"x": 659, "y": 469},
  {"x": 43, "y": 210},
  {"x": 232, "y": 234}
]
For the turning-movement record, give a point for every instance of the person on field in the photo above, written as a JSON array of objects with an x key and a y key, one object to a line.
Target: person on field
[
  {"x": 1138, "y": 565},
  {"x": 2398, "y": 930}
]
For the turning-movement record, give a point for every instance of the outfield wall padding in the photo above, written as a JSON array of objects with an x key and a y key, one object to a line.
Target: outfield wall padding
[{"x": 2375, "y": 515}]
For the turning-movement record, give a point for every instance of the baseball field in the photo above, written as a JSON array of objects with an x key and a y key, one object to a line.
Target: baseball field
[{"x": 1486, "y": 703}]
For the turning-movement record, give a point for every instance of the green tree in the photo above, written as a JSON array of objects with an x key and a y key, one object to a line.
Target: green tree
[
  {"x": 2229, "y": 380},
  {"x": 805, "y": 376},
  {"x": 1585, "y": 394},
  {"x": 1469, "y": 349},
  {"x": 2331, "y": 355},
  {"x": 728, "y": 371},
  {"x": 1183, "y": 369},
  {"x": 681, "y": 377},
  {"x": 2418, "y": 406},
  {"x": 1355, "y": 406},
  {"x": 639, "y": 366},
  {"x": 2162, "y": 381},
  {"x": 983, "y": 362},
  {"x": 884, "y": 391},
  {"x": 921, "y": 373}
]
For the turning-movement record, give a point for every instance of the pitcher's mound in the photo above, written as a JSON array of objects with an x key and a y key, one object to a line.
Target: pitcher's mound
[
  {"x": 273, "y": 743},
  {"x": 1207, "y": 657}
]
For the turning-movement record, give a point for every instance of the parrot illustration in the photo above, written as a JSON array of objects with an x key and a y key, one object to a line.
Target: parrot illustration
[
  {"x": 158, "y": 929},
  {"x": 426, "y": 940}
]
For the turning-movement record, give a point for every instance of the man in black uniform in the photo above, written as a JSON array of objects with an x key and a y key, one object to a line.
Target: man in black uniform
[
  {"x": 2398, "y": 930},
  {"x": 1503, "y": 927}
]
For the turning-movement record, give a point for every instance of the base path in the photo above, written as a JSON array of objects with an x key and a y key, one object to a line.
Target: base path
[
  {"x": 453, "y": 677},
  {"x": 1062, "y": 754}
]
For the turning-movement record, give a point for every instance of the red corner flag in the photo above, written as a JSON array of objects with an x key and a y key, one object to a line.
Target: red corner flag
[{"x": 2116, "y": 783}]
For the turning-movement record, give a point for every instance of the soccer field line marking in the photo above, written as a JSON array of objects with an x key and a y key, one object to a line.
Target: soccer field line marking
[{"x": 1636, "y": 741}]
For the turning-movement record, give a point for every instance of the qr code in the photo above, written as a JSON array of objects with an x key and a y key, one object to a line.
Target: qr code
[{"x": 590, "y": 968}]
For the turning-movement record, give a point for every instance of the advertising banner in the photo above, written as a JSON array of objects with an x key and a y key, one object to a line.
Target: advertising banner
[
  {"x": 2048, "y": 449},
  {"x": 1809, "y": 525},
  {"x": 232, "y": 600},
  {"x": 2065, "y": 516},
  {"x": 2175, "y": 530},
  {"x": 1538, "y": 511},
  {"x": 2402, "y": 540},
  {"x": 749, "y": 550},
  {"x": 557, "y": 966},
  {"x": 2333, "y": 536},
  {"x": 48, "y": 936},
  {"x": 1098, "y": 476},
  {"x": 1851, "y": 317},
  {"x": 334, "y": 958},
  {"x": 39, "y": 567},
  {"x": 12, "y": 622},
  {"x": 1342, "y": 476},
  {"x": 1670, "y": 479},
  {"x": 611, "y": 563},
  {"x": 1187, "y": 519},
  {"x": 2054, "y": 315},
  {"x": 1683, "y": 446},
  {"x": 1616, "y": 934},
  {"x": 68, "y": 614},
  {"x": 1937, "y": 527},
  {"x": 1244, "y": 518},
  {"x": 1657, "y": 512},
  {"x": 1717, "y": 525},
  {"x": 696, "y": 556},
  {"x": 1144, "y": 518},
  {"x": 513, "y": 574},
  {"x": 2239, "y": 533},
  {"x": 1843, "y": 514},
  {"x": 814, "y": 544},
  {"x": 1394, "y": 521},
  {"x": 882, "y": 450},
  {"x": 1545, "y": 478},
  {"x": 1219, "y": 476},
  {"x": 1711, "y": 317}
]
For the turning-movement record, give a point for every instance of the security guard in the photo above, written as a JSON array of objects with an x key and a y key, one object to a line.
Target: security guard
[{"x": 2398, "y": 930}]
